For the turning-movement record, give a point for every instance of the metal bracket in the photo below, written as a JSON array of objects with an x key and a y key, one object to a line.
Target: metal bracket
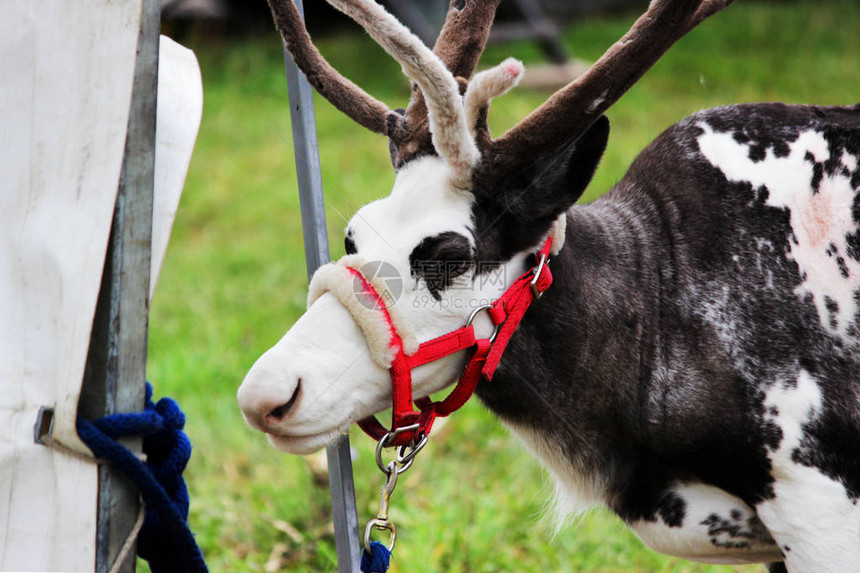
[{"x": 44, "y": 425}]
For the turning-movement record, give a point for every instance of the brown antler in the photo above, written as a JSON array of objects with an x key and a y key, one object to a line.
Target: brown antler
[
  {"x": 464, "y": 34},
  {"x": 459, "y": 46},
  {"x": 339, "y": 91},
  {"x": 571, "y": 110}
]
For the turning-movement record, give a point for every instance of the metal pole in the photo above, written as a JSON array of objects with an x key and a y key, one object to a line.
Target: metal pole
[
  {"x": 116, "y": 362},
  {"x": 303, "y": 121}
]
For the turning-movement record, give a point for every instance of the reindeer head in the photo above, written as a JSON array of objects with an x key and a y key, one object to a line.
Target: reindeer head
[{"x": 465, "y": 215}]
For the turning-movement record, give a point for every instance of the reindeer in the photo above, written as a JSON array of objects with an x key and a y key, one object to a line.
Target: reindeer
[{"x": 694, "y": 365}]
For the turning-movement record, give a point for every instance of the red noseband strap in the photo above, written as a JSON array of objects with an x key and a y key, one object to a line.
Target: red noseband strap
[{"x": 505, "y": 313}]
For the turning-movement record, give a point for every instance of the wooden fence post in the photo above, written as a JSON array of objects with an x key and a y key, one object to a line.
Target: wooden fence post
[{"x": 116, "y": 363}]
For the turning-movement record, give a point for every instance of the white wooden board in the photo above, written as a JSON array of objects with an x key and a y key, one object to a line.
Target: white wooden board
[
  {"x": 66, "y": 70},
  {"x": 180, "y": 107},
  {"x": 67, "y": 73}
]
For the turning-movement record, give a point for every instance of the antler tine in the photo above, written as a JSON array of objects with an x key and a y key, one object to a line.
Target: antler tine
[
  {"x": 459, "y": 45},
  {"x": 464, "y": 35},
  {"x": 350, "y": 99},
  {"x": 487, "y": 85},
  {"x": 571, "y": 110},
  {"x": 448, "y": 128},
  {"x": 708, "y": 8}
]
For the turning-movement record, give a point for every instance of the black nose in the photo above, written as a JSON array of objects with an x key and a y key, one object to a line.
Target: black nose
[{"x": 279, "y": 412}]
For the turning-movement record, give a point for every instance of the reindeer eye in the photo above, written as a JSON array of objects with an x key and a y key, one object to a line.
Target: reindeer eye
[
  {"x": 349, "y": 245},
  {"x": 440, "y": 259}
]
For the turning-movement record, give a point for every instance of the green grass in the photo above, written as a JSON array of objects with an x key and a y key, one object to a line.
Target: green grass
[{"x": 234, "y": 280}]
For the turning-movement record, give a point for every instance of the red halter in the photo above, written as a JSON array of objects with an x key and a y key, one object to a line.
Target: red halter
[{"x": 506, "y": 312}]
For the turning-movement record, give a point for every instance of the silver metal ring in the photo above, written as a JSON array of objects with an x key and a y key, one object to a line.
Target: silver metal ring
[
  {"x": 487, "y": 307},
  {"x": 384, "y": 443},
  {"x": 413, "y": 449}
]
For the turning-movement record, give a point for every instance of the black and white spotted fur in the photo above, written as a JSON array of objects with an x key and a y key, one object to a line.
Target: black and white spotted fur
[
  {"x": 695, "y": 365},
  {"x": 679, "y": 371}
]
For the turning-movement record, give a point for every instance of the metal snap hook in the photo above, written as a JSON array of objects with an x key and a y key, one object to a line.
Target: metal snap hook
[
  {"x": 381, "y": 521},
  {"x": 381, "y": 525}
]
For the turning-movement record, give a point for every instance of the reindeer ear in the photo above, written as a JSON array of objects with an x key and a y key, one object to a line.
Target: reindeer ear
[
  {"x": 556, "y": 181},
  {"x": 519, "y": 209},
  {"x": 538, "y": 193}
]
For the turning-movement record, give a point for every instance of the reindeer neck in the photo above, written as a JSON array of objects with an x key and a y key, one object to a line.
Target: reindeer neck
[{"x": 582, "y": 349}]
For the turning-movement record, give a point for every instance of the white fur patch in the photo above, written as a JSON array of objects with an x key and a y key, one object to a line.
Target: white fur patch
[
  {"x": 422, "y": 204},
  {"x": 811, "y": 516},
  {"x": 558, "y": 233},
  {"x": 848, "y": 161},
  {"x": 818, "y": 220},
  {"x": 717, "y": 528}
]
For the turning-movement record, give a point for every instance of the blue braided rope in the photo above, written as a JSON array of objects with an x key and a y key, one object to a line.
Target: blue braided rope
[
  {"x": 165, "y": 540},
  {"x": 377, "y": 560}
]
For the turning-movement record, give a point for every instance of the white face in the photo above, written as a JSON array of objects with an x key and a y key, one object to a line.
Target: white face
[{"x": 320, "y": 377}]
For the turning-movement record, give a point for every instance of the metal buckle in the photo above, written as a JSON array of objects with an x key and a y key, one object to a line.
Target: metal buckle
[
  {"x": 44, "y": 426},
  {"x": 496, "y": 327},
  {"x": 537, "y": 271}
]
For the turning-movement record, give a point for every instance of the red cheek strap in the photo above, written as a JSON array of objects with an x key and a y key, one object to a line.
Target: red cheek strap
[{"x": 505, "y": 313}]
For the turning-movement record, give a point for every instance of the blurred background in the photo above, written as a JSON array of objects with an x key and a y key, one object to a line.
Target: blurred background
[
  {"x": 234, "y": 278},
  {"x": 244, "y": 15}
]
